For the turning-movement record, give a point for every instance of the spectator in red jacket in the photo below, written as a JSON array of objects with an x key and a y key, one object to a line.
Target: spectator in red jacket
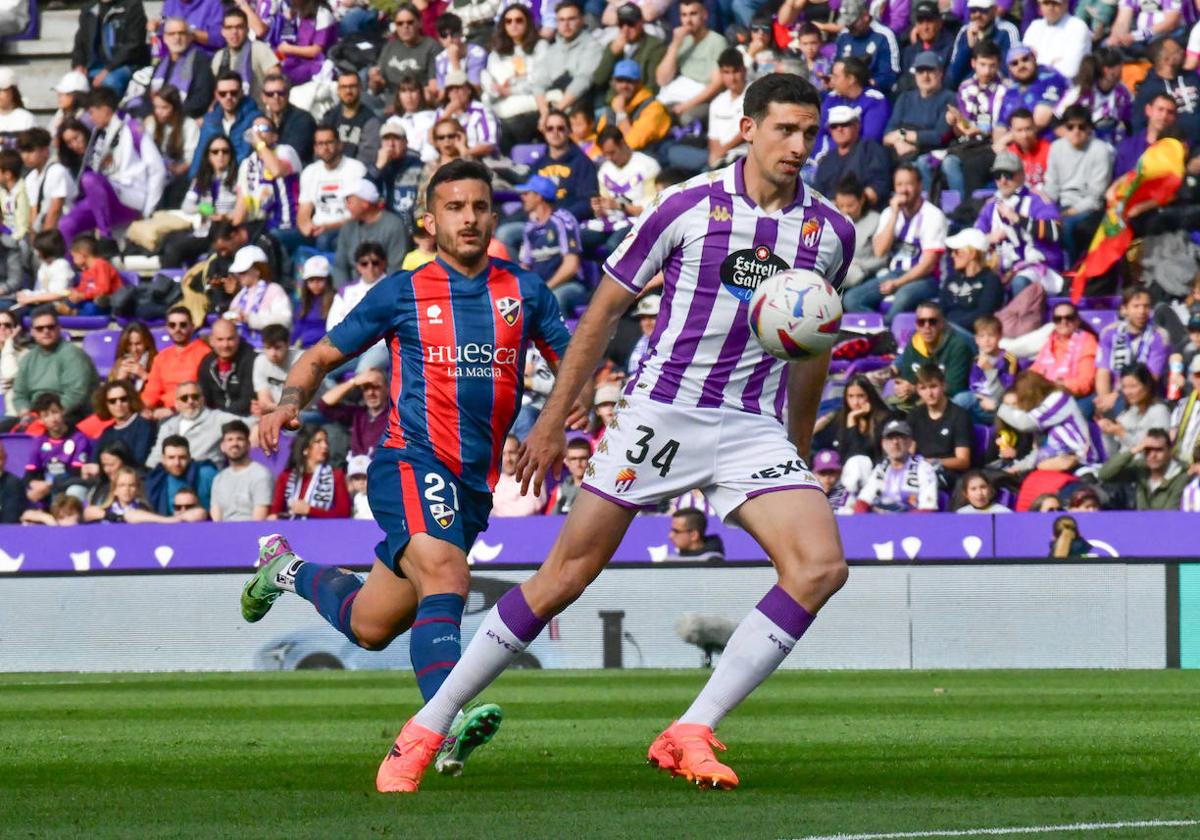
[
  {"x": 174, "y": 365},
  {"x": 98, "y": 278},
  {"x": 309, "y": 487}
]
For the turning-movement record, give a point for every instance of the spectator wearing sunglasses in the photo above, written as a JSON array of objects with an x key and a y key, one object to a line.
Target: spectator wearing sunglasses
[
  {"x": 370, "y": 266},
  {"x": 232, "y": 114},
  {"x": 1034, "y": 87},
  {"x": 173, "y": 365},
  {"x": 1068, "y": 358},
  {"x": 54, "y": 366},
  {"x": 1077, "y": 174},
  {"x": 368, "y": 222},
  {"x": 198, "y": 426},
  {"x": 294, "y": 127},
  {"x": 1158, "y": 479},
  {"x": 933, "y": 343}
]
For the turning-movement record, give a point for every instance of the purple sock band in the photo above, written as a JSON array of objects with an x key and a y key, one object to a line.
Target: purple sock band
[
  {"x": 516, "y": 615},
  {"x": 781, "y": 608}
]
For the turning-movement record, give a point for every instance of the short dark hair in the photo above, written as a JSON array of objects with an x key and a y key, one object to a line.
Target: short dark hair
[
  {"x": 850, "y": 185},
  {"x": 580, "y": 443},
  {"x": 1155, "y": 50},
  {"x": 222, "y": 230},
  {"x": 235, "y": 427},
  {"x": 234, "y": 11},
  {"x": 369, "y": 248},
  {"x": 448, "y": 24},
  {"x": 930, "y": 373},
  {"x": 230, "y": 76},
  {"x": 1163, "y": 95},
  {"x": 10, "y": 161},
  {"x": 43, "y": 311},
  {"x": 1130, "y": 292},
  {"x": 46, "y": 400},
  {"x": 731, "y": 58},
  {"x": 1025, "y": 114},
  {"x": 986, "y": 49},
  {"x": 180, "y": 309},
  {"x": 1159, "y": 434},
  {"x": 908, "y": 167},
  {"x": 326, "y": 128},
  {"x": 609, "y": 132},
  {"x": 32, "y": 139},
  {"x": 275, "y": 334},
  {"x": 930, "y": 305},
  {"x": 103, "y": 97},
  {"x": 458, "y": 170},
  {"x": 1079, "y": 113},
  {"x": 694, "y": 518},
  {"x": 176, "y": 441},
  {"x": 784, "y": 88},
  {"x": 856, "y": 67},
  {"x": 50, "y": 244},
  {"x": 84, "y": 243},
  {"x": 577, "y": 5}
]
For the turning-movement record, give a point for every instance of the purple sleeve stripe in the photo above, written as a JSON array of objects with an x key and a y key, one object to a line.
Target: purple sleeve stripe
[{"x": 647, "y": 235}]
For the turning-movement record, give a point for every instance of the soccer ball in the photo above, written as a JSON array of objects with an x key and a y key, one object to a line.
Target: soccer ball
[{"x": 795, "y": 315}]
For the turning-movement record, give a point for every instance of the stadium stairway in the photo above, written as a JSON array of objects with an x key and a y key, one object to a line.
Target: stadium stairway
[{"x": 40, "y": 63}]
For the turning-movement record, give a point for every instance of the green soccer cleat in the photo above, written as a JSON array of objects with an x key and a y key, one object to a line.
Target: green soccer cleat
[
  {"x": 275, "y": 575},
  {"x": 475, "y": 726}
]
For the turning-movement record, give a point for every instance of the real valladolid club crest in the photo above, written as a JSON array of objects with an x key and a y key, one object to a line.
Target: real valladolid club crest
[
  {"x": 810, "y": 232},
  {"x": 509, "y": 309},
  {"x": 625, "y": 479}
]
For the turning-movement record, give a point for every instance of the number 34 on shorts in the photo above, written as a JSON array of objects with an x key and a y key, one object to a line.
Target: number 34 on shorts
[{"x": 654, "y": 451}]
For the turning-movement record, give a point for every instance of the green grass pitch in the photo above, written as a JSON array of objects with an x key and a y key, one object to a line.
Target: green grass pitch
[{"x": 294, "y": 755}]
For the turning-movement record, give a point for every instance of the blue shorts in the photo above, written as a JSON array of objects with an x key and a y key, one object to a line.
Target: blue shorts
[{"x": 411, "y": 492}]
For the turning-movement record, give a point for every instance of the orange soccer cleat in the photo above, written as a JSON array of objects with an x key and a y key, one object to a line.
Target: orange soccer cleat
[
  {"x": 686, "y": 749},
  {"x": 405, "y": 764}
]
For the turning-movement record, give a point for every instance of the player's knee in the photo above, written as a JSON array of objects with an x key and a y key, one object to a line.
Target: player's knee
[
  {"x": 371, "y": 635},
  {"x": 440, "y": 573},
  {"x": 820, "y": 573}
]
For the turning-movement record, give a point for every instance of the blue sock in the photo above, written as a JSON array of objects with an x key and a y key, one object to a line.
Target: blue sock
[
  {"x": 435, "y": 642},
  {"x": 332, "y": 592}
]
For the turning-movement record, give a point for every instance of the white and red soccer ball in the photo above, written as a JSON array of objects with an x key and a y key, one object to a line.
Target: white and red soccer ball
[{"x": 796, "y": 314}]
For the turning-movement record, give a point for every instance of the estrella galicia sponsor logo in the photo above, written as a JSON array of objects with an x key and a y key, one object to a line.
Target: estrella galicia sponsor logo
[
  {"x": 509, "y": 309},
  {"x": 795, "y": 467},
  {"x": 742, "y": 271},
  {"x": 442, "y": 514}
]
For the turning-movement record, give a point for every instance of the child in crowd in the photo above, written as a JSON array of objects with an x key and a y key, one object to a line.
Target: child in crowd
[
  {"x": 14, "y": 222},
  {"x": 98, "y": 280},
  {"x": 58, "y": 455},
  {"x": 424, "y": 251},
  {"x": 65, "y": 510},
  {"x": 979, "y": 495},
  {"x": 54, "y": 274},
  {"x": 991, "y": 373},
  {"x": 356, "y": 486},
  {"x": 583, "y": 132},
  {"x": 816, "y": 66}
]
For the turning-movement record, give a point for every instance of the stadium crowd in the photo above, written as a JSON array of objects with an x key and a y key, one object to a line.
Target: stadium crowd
[{"x": 1023, "y": 304}]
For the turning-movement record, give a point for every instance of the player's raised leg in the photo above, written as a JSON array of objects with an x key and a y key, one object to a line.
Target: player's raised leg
[
  {"x": 798, "y": 531},
  {"x": 592, "y": 532}
]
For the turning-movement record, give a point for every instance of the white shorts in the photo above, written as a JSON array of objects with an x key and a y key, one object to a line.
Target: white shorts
[{"x": 654, "y": 452}]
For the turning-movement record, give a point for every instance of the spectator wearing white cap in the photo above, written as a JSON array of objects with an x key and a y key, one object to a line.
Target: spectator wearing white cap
[
  {"x": 478, "y": 122},
  {"x": 396, "y": 170},
  {"x": 368, "y": 222},
  {"x": 324, "y": 185},
  {"x": 261, "y": 301},
  {"x": 13, "y": 116},
  {"x": 356, "y": 486},
  {"x": 646, "y": 313},
  {"x": 852, "y": 153},
  {"x": 982, "y": 25},
  {"x": 1059, "y": 39},
  {"x": 970, "y": 288},
  {"x": 70, "y": 92}
]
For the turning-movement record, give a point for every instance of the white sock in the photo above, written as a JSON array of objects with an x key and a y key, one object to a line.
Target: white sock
[
  {"x": 285, "y": 578},
  {"x": 493, "y": 648},
  {"x": 755, "y": 650}
]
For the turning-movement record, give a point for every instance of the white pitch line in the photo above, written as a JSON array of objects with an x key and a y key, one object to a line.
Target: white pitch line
[{"x": 992, "y": 832}]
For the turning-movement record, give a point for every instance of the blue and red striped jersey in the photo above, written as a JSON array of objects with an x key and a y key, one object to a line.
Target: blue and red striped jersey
[{"x": 458, "y": 348}]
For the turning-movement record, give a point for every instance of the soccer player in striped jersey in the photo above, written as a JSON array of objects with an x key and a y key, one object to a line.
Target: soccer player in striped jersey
[
  {"x": 457, "y": 330},
  {"x": 707, "y": 408}
]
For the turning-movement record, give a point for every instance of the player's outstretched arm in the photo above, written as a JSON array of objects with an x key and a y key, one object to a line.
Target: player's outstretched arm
[
  {"x": 302, "y": 382},
  {"x": 543, "y": 448},
  {"x": 806, "y": 381}
]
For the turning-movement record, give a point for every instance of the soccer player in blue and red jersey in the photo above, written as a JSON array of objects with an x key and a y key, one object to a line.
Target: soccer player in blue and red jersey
[{"x": 458, "y": 329}]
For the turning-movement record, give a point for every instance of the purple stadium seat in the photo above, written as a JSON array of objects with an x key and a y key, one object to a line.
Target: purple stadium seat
[
  {"x": 950, "y": 201},
  {"x": 83, "y": 322},
  {"x": 903, "y": 327},
  {"x": 982, "y": 439},
  {"x": 162, "y": 338},
  {"x": 863, "y": 321},
  {"x": 102, "y": 348},
  {"x": 1097, "y": 439},
  {"x": 868, "y": 364},
  {"x": 528, "y": 154},
  {"x": 1098, "y": 319},
  {"x": 129, "y": 278},
  {"x": 18, "y": 448},
  {"x": 839, "y": 366}
]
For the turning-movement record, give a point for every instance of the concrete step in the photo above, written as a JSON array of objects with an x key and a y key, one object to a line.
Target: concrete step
[{"x": 58, "y": 34}]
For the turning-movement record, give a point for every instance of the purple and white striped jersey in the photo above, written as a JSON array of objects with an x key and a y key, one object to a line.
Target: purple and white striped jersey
[
  {"x": 1111, "y": 112},
  {"x": 980, "y": 104},
  {"x": 1191, "y": 497},
  {"x": 714, "y": 246},
  {"x": 1062, "y": 424}
]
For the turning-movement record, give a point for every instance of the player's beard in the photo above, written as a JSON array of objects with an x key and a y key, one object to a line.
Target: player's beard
[{"x": 464, "y": 253}]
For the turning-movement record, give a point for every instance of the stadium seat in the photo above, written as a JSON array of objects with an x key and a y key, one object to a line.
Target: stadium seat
[
  {"x": 1098, "y": 319},
  {"x": 129, "y": 278},
  {"x": 528, "y": 154},
  {"x": 863, "y": 322},
  {"x": 903, "y": 327},
  {"x": 102, "y": 348},
  {"x": 83, "y": 322},
  {"x": 950, "y": 201},
  {"x": 1098, "y": 302},
  {"x": 982, "y": 439},
  {"x": 162, "y": 338},
  {"x": 17, "y": 448},
  {"x": 867, "y": 365}
]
